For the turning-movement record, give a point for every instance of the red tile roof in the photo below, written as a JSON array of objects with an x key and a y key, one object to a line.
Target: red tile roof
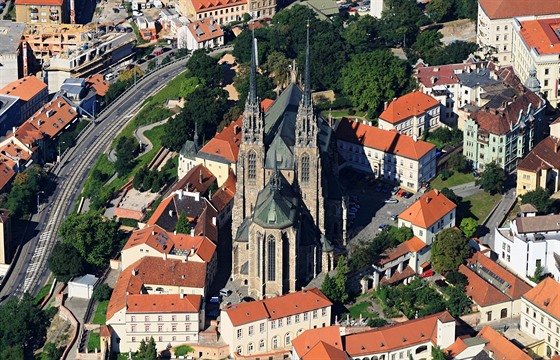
[
  {"x": 27, "y": 87},
  {"x": 226, "y": 143},
  {"x": 98, "y": 83},
  {"x": 480, "y": 291},
  {"x": 505, "y": 9},
  {"x": 201, "y": 30},
  {"x": 542, "y": 35},
  {"x": 546, "y": 155},
  {"x": 431, "y": 76},
  {"x": 40, "y": 2},
  {"x": 307, "y": 340},
  {"x": 208, "y": 5},
  {"x": 163, "y": 303},
  {"x": 171, "y": 272},
  {"x": 7, "y": 170},
  {"x": 278, "y": 307},
  {"x": 456, "y": 348},
  {"x": 391, "y": 338},
  {"x": 412, "y": 104},
  {"x": 546, "y": 296},
  {"x": 500, "y": 346},
  {"x": 428, "y": 209},
  {"x": 225, "y": 194},
  {"x": 126, "y": 284},
  {"x": 324, "y": 351},
  {"x": 414, "y": 244},
  {"x": 28, "y": 134},
  {"x": 387, "y": 141},
  {"x": 197, "y": 179},
  {"x": 53, "y": 117}
]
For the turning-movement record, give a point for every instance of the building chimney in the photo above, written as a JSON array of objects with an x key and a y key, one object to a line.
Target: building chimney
[
  {"x": 134, "y": 271},
  {"x": 171, "y": 213},
  {"x": 385, "y": 105},
  {"x": 164, "y": 255},
  {"x": 182, "y": 294},
  {"x": 428, "y": 199},
  {"x": 415, "y": 138},
  {"x": 192, "y": 232},
  {"x": 200, "y": 176},
  {"x": 214, "y": 221}
]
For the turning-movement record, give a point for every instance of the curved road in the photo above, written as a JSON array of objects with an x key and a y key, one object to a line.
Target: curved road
[{"x": 31, "y": 269}]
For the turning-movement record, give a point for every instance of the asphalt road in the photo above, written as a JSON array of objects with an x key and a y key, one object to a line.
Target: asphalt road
[{"x": 31, "y": 271}]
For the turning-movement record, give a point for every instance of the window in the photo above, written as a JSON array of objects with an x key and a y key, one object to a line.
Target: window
[
  {"x": 160, "y": 318},
  {"x": 262, "y": 327},
  {"x": 239, "y": 349},
  {"x": 146, "y": 318},
  {"x": 239, "y": 333},
  {"x": 173, "y": 328},
  {"x": 187, "y": 327},
  {"x": 252, "y": 167},
  {"x": 160, "y": 338},
  {"x": 273, "y": 324},
  {"x": 271, "y": 258},
  {"x": 133, "y": 318},
  {"x": 297, "y": 318},
  {"x": 305, "y": 169},
  {"x": 314, "y": 314},
  {"x": 324, "y": 311},
  {"x": 280, "y": 322},
  {"x": 275, "y": 342},
  {"x": 251, "y": 330},
  {"x": 305, "y": 316},
  {"x": 546, "y": 71},
  {"x": 538, "y": 263},
  {"x": 546, "y": 82},
  {"x": 250, "y": 348},
  {"x": 133, "y": 328},
  {"x": 288, "y": 339},
  {"x": 289, "y": 320},
  {"x": 160, "y": 328},
  {"x": 261, "y": 344},
  {"x": 146, "y": 328},
  {"x": 187, "y": 318},
  {"x": 133, "y": 339},
  {"x": 173, "y": 317}
]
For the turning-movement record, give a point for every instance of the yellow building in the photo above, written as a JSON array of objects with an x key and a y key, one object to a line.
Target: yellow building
[
  {"x": 42, "y": 11},
  {"x": 541, "y": 167},
  {"x": 222, "y": 11}
]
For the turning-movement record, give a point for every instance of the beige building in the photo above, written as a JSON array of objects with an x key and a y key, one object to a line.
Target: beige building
[
  {"x": 394, "y": 157},
  {"x": 7, "y": 247},
  {"x": 495, "y": 23},
  {"x": 412, "y": 114},
  {"x": 223, "y": 12},
  {"x": 42, "y": 11},
  {"x": 536, "y": 47},
  {"x": 259, "y": 9},
  {"x": 267, "y": 327},
  {"x": 540, "y": 317},
  {"x": 541, "y": 167},
  {"x": 495, "y": 291}
]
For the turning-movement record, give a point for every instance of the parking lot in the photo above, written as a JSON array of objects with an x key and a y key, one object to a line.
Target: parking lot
[{"x": 372, "y": 211}]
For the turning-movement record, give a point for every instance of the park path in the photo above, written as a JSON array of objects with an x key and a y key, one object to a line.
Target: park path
[{"x": 139, "y": 135}]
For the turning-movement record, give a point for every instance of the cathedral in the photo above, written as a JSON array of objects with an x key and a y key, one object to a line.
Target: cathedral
[{"x": 287, "y": 215}]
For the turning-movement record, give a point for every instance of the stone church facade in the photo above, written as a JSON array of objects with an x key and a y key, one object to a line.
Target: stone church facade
[{"x": 288, "y": 203}]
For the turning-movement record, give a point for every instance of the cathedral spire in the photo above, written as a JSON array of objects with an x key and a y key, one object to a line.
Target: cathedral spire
[
  {"x": 307, "y": 84},
  {"x": 195, "y": 138},
  {"x": 275, "y": 181},
  {"x": 252, "y": 97}
]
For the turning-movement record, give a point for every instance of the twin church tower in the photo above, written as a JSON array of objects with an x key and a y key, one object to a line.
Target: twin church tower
[{"x": 287, "y": 211}]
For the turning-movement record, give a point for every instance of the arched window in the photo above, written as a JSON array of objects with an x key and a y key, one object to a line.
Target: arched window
[
  {"x": 252, "y": 167},
  {"x": 305, "y": 169},
  {"x": 503, "y": 313},
  {"x": 259, "y": 251},
  {"x": 239, "y": 349},
  {"x": 261, "y": 344},
  {"x": 271, "y": 258},
  {"x": 275, "y": 342},
  {"x": 287, "y": 339},
  {"x": 250, "y": 348}
]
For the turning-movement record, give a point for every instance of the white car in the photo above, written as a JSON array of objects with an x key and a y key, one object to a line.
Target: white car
[{"x": 137, "y": 13}]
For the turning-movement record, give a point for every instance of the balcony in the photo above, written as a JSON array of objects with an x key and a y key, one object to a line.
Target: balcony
[{"x": 33, "y": 10}]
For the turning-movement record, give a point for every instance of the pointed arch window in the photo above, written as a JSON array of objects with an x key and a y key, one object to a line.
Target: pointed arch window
[
  {"x": 305, "y": 169},
  {"x": 259, "y": 251},
  {"x": 252, "y": 167},
  {"x": 271, "y": 243}
]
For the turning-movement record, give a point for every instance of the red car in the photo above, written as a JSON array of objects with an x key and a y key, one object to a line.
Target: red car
[
  {"x": 401, "y": 193},
  {"x": 427, "y": 273}
]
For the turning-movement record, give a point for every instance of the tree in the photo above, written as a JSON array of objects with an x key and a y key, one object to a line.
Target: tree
[
  {"x": 139, "y": 178},
  {"x": 369, "y": 79},
  {"x": 152, "y": 64},
  {"x": 23, "y": 194},
  {"x": 362, "y": 35},
  {"x": 466, "y": 9},
  {"x": 539, "y": 198},
  {"x": 450, "y": 194},
  {"x": 400, "y": 234},
  {"x": 329, "y": 287},
  {"x": 538, "y": 275},
  {"x": 455, "y": 52},
  {"x": 428, "y": 45},
  {"x": 492, "y": 179},
  {"x": 51, "y": 352},
  {"x": 102, "y": 292},
  {"x": 400, "y": 22},
  {"x": 439, "y": 10},
  {"x": 456, "y": 278},
  {"x": 148, "y": 350},
  {"x": 340, "y": 280},
  {"x": 439, "y": 354},
  {"x": 66, "y": 262},
  {"x": 205, "y": 67},
  {"x": 459, "y": 162},
  {"x": 189, "y": 85},
  {"x": 449, "y": 250},
  {"x": 264, "y": 87},
  {"x": 94, "y": 237},
  {"x": 468, "y": 226},
  {"x": 183, "y": 224},
  {"x": 458, "y": 302},
  {"x": 278, "y": 66},
  {"x": 126, "y": 151}
]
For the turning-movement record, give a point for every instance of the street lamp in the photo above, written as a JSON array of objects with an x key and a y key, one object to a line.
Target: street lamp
[{"x": 39, "y": 193}]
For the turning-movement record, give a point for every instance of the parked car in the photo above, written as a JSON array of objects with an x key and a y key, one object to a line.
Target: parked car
[
  {"x": 225, "y": 292},
  {"x": 427, "y": 273},
  {"x": 137, "y": 13},
  {"x": 215, "y": 300},
  {"x": 407, "y": 195},
  {"x": 401, "y": 193},
  {"x": 383, "y": 227},
  {"x": 394, "y": 217},
  {"x": 395, "y": 190},
  {"x": 391, "y": 201},
  {"x": 247, "y": 299}
]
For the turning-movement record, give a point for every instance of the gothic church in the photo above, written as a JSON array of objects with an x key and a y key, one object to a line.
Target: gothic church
[{"x": 287, "y": 214}]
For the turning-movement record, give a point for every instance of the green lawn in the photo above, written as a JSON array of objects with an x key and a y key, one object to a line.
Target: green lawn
[
  {"x": 100, "y": 313},
  {"x": 477, "y": 206},
  {"x": 94, "y": 342},
  {"x": 43, "y": 292},
  {"x": 361, "y": 308},
  {"x": 456, "y": 179}
]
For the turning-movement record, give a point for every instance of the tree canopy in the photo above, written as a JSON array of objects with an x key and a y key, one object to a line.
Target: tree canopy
[
  {"x": 205, "y": 67},
  {"x": 22, "y": 198},
  {"x": 539, "y": 198},
  {"x": 492, "y": 179},
  {"x": 468, "y": 226},
  {"x": 335, "y": 288},
  {"x": 66, "y": 262},
  {"x": 126, "y": 150},
  {"x": 449, "y": 250},
  {"x": 95, "y": 238}
]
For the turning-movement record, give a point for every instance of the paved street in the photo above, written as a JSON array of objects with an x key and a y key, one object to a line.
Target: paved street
[
  {"x": 498, "y": 216},
  {"x": 467, "y": 189}
]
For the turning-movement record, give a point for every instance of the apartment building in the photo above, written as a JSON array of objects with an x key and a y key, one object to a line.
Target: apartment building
[
  {"x": 200, "y": 34},
  {"x": 495, "y": 23},
  {"x": 31, "y": 92},
  {"x": 495, "y": 291},
  {"x": 504, "y": 133},
  {"x": 266, "y": 328},
  {"x": 536, "y": 48},
  {"x": 159, "y": 297},
  {"x": 541, "y": 167},
  {"x": 412, "y": 114},
  {"x": 540, "y": 317},
  {"x": 321, "y": 343},
  {"x": 7, "y": 246},
  {"x": 43, "y": 11},
  {"x": 488, "y": 344},
  {"x": 223, "y": 12},
  {"x": 259, "y": 9},
  {"x": 11, "y": 51},
  {"x": 10, "y": 110},
  {"x": 530, "y": 242},
  {"x": 395, "y": 157}
]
